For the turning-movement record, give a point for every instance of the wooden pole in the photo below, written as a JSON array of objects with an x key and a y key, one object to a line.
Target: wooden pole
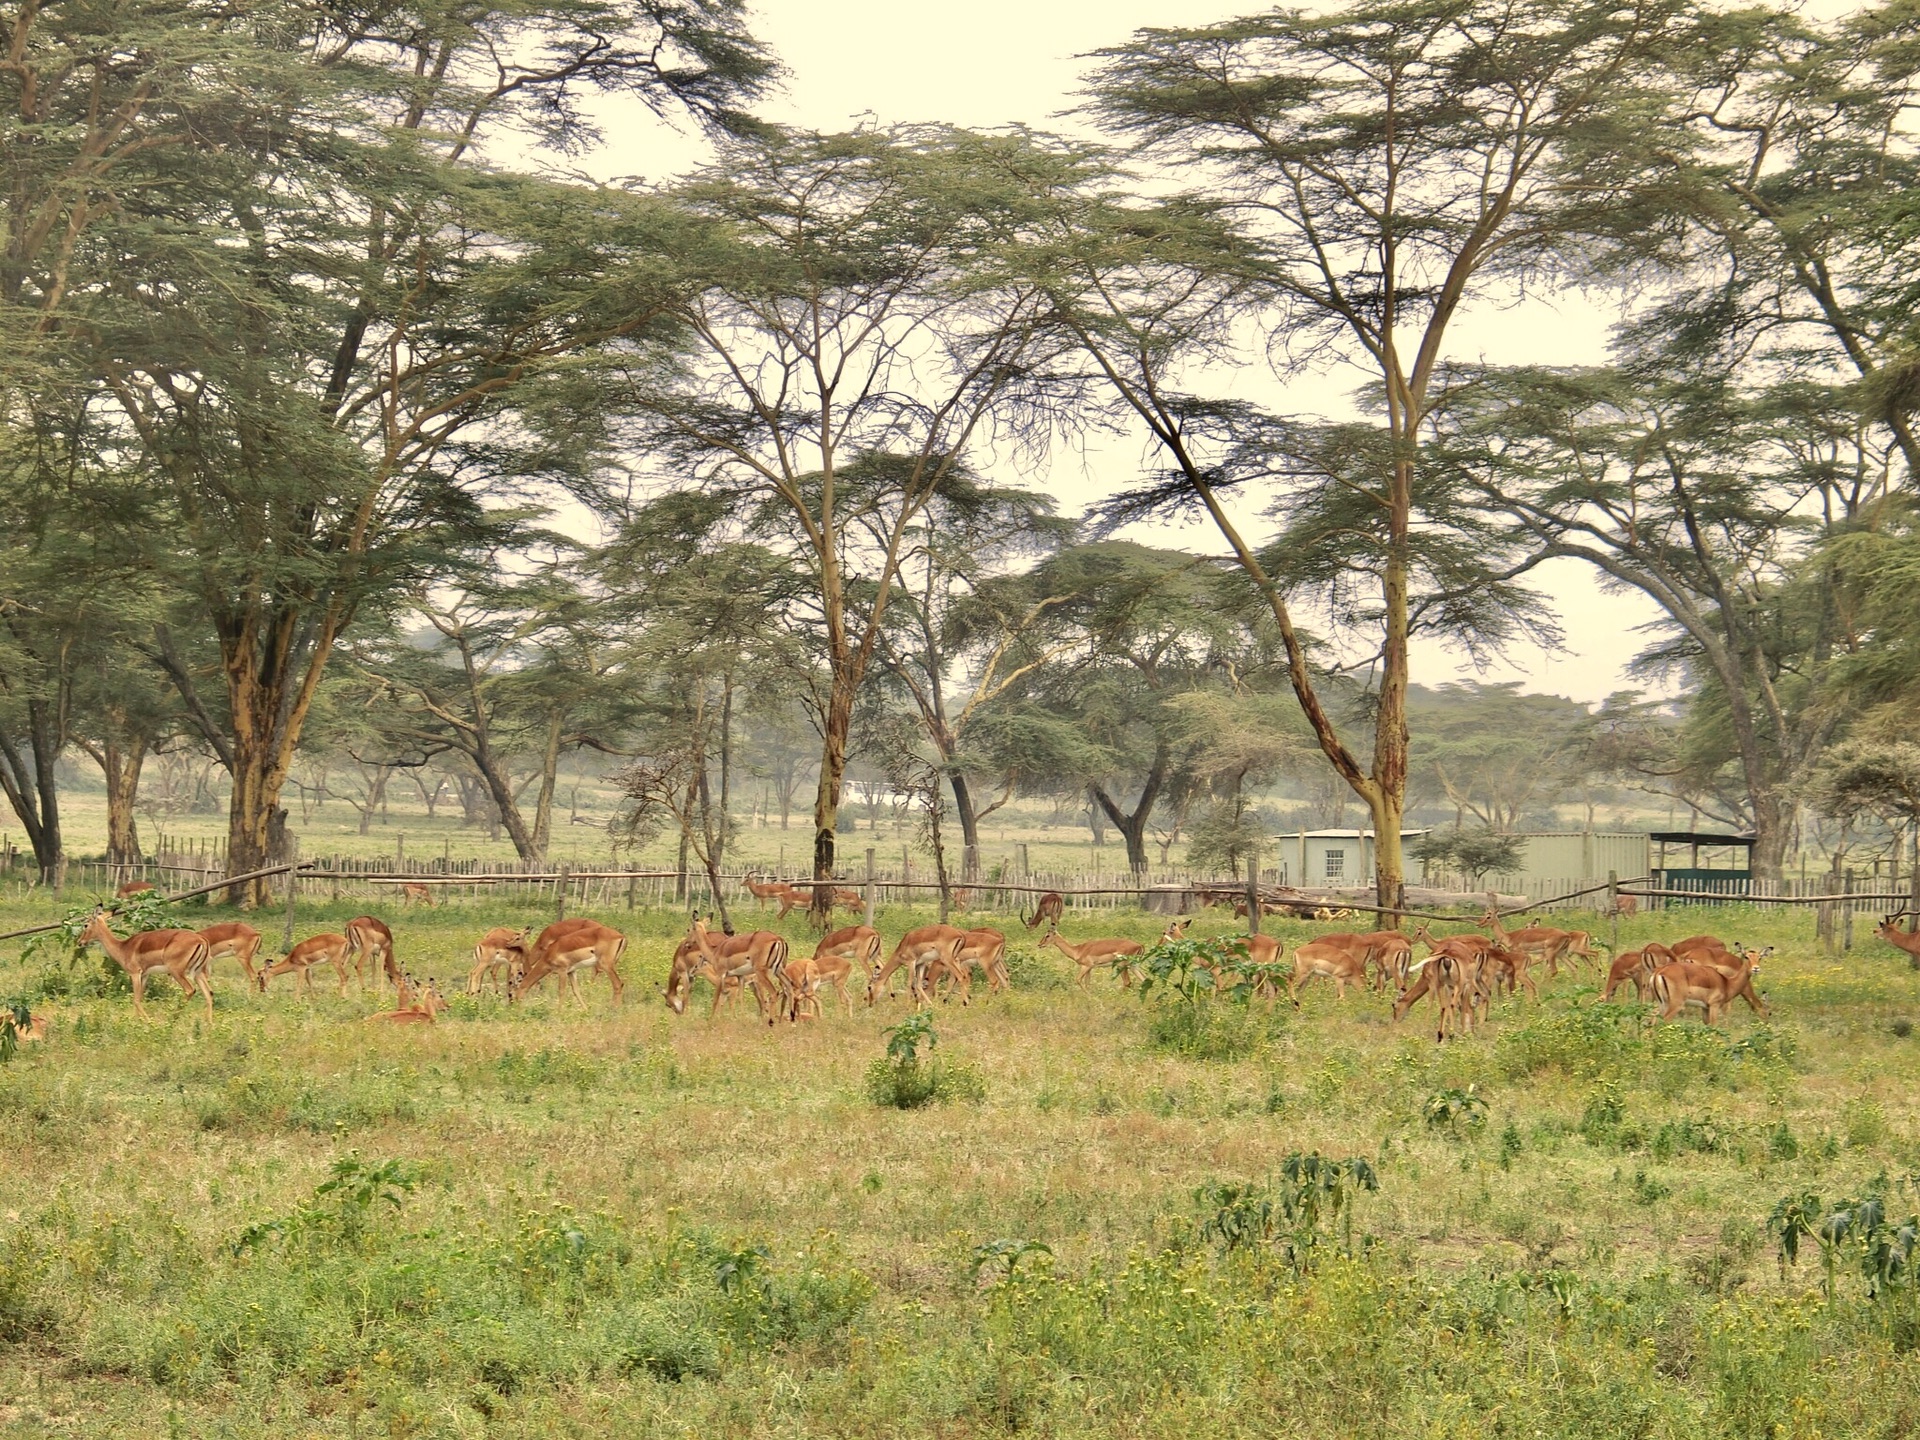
[
  {"x": 293, "y": 891},
  {"x": 870, "y": 886},
  {"x": 560, "y": 893},
  {"x": 1613, "y": 908}
]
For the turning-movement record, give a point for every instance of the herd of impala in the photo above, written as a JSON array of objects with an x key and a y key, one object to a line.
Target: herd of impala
[{"x": 1461, "y": 973}]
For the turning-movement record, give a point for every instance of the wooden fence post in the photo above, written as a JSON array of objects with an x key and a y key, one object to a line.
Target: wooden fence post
[
  {"x": 870, "y": 886},
  {"x": 560, "y": 895},
  {"x": 1613, "y": 909},
  {"x": 293, "y": 891}
]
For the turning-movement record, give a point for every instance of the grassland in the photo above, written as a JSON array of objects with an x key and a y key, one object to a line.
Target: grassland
[{"x": 626, "y": 1223}]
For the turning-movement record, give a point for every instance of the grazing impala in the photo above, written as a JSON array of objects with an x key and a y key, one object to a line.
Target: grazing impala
[
  {"x": 987, "y": 948},
  {"x": 1341, "y": 958},
  {"x": 1909, "y": 945},
  {"x": 499, "y": 952},
  {"x": 1051, "y": 907},
  {"x": 757, "y": 957},
  {"x": 134, "y": 887},
  {"x": 687, "y": 964},
  {"x": 1635, "y": 968},
  {"x": 370, "y": 942},
  {"x": 928, "y": 955},
  {"x": 841, "y": 952},
  {"x": 181, "y": 953},
  {"x": 567, "y": 946},
  {"x": 1685, "y": 983},
  {"x": 1541, "y": 942},
  {"x": 315, "y": 950},
  {"x": 412, "y": 894},
  {"x": 232, "y": 937},
  {"x": 1389, "y": 954},
  {"x": 1089, "y": 954}
]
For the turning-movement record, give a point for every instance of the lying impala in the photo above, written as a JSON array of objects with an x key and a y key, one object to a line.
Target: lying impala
[
  {"x": 232, "y": 937},
  {"x": 181, "y": 953},
  {"x": 315, "y": 950},
  {"x": 1090, "y": 954},
  {"x": 134, "y": 887},
  {"x": 568, "y": 946},
  {"x": 495, "y": 958},
  {"x": 370, "y": 942},
  {"x": 415, "y": 1007}
]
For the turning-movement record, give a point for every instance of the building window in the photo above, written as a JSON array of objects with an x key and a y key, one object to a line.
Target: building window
[{"x": 1336, "y": 864}]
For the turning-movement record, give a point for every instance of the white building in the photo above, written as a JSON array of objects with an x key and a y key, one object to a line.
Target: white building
[{"x": 1312, "y": 858}]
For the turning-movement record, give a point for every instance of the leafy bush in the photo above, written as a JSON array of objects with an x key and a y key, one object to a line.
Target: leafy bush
[
  {"x": 1583, "y": 1041},
  {"x": 1454, "y": 1110},
  {"x": 905, "y": 1079},
  {"x": 1313, "y": 1196}
]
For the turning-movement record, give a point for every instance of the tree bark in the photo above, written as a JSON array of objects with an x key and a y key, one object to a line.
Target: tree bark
[
  {"x": 835, "y": 726},
  {"x": 1133, "y": 825},
  {"x": 27, "y": 778},
  {"x": 549, "y": 777},
  {"x": 120, "y": 765}
]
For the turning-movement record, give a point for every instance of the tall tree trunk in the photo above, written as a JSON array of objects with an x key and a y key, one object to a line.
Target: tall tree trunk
[
  {"x": 27, "y": 777},
  {"x": 271, "y": 678},
  {"x": 836, "y": 724},
  {"x": 1133, "y": 824},
  {"x": 549, "y": 777},
  {"x": 121, "y": 766}
]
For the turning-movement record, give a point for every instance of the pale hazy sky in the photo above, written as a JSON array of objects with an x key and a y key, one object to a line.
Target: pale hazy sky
[{"x": 994, "y": 62}]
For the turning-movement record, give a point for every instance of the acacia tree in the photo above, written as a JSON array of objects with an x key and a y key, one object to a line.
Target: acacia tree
[
  {"x": 1371, "y": 173},
  {"x": 1703, "y": 500},
  {"x": 965, "y": 632},
  {"x": 856, "y": 332},
  {"x": 322, "y": 330}
]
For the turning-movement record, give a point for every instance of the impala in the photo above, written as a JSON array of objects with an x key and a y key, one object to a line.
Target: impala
[
  {"x": 1389, "y": 954},
  {"x": 927, "y": 954},
  {"x": 134, "y": 887},
  {"x": 1466, "y": 957},
  {"x": 1089, "y": 954},
  {"x": 1635, "y": 968},
  {"x": 1684, "y": 983},
  {"x": 1541, "y": 942},
  {"x": 802, "y": 979},
  {"x": 1341, "y": 958},
  {"x": 494, "y": 959},
  {"x": 1051, "y": 907},
  {"x": 764, "y": 891},
  {"x": 1509, "y": 965},
  {"x": 842, "y": 951},
  {"x": 759, "y": 956},
  {"x": 567, "y": 946},
  {"x": 987, "y": 948},
  {"x": 325, "y": 949},
  {"x": 688, "y": 963},
  {"x": 415, "y": 1007},
  {"x": 181, "y": 953},
  {"x": 412, "y": 894},
  {"x": 1900, "y": 940},
  {"x": 370, "y": 942},
  {"x": 232, "y": 937}
]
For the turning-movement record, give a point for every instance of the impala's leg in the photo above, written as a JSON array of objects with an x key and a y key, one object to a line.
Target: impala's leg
[{"x": 139, "y": 978}]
